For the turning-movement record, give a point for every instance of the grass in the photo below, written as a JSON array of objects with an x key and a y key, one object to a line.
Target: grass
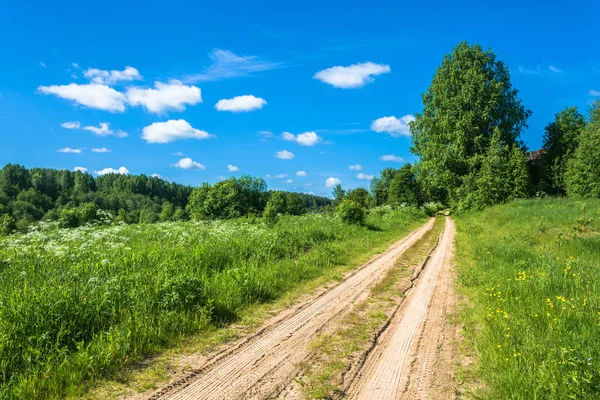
[
  {"x": 530, "y": 271},
  {"x": 335, "y": 351},
  {"x": 84, "y": 304}
]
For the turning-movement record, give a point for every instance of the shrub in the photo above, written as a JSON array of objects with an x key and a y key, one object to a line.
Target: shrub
[
  {"x": 351, "y": 212},
  {"x": 270, "y": 215},
  {"x": 7, "y": 224}
]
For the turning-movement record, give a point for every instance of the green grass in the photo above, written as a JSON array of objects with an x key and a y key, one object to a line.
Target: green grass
[
  {"x": 82, "y": 304},
  {"x": 530, "y": 271}
]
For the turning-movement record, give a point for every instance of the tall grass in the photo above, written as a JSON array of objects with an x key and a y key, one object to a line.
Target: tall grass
[
  {"x": 531, "y": 273},
  {"x": 79, "y": 304}
]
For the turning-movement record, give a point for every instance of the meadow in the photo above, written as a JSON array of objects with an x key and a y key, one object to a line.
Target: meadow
[
  {"x": 530, "y": 273},
  {"x": 80, "y": 304}
]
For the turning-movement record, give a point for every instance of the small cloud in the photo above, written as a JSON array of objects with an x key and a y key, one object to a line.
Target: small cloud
[
  {"x": 101, "y": 150},
  {"x": 156, "y": 175},
  {"x": 121, "y": 171},
  {"x": 232, "y": 168},
  {"x": 288, "y": 181},
  {"x": 594, "y": 93},
  {"x": 172, "y": 96},
  {"x": 394, "y": 126},
  {"x": 179, "y": 154},
  {"x": 331, "y": 182},
  {"x": 241, "y": 104},
  {"x": 352, "y": 76},
  {"x": 308, "y": 184},
  {"x": 111, "y": 77},
  {"x": 364, "y": 177},
  {"x": 285, "y": 155},
  {"x": 303, "y": 139},
  {"x": 42, "y": 65},
  {"x": 74, "y": 65},
  {"x": 221, "y": 177},
  {"x": 554, "y": 69},
  {"x": 355, "y": 167},
  {"x": 267, "y": 134},
  {"x": 71, "y": 125},
  {"x": 69, "y": 150},
  {"x": 188, "y": 163},
  {"x": 102, "y": 130},
  {"x": 165, "y": 132},
  {"x": 391, "y": 157},
  {"x": 80, "y": 169},
  {"x": 91, "y": 95},
  {"x": 301, "y": 173}
]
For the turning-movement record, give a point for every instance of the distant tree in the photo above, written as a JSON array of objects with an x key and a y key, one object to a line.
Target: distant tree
[
  {"x": 278, "y": 202},
  {"x": 361, "y": 196},
  {"x": 166, "y": 214},
  {"x": 338, "y": 194},
  {"x": 403, "y": 187},
  {"x": 582, "y": 177},
  {"x": 380, "y": 186},
  {"x": 294, "y": 204},
  {"x": 148, "y": 216},
  {"x": 351, "y": 212},
  {"x": 470, "y": 98},
  {"x": 561, "y": 138}
]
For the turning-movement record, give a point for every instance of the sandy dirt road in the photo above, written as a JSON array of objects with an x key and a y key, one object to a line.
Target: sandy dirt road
[
  {"x": 259, "y": 366},
  {"x": 412, "y": 359}
]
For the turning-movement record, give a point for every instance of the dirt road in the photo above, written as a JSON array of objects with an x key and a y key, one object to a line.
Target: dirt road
[
  {"x": 258, "y": 367},
  {"x": 412, "y": 359}
]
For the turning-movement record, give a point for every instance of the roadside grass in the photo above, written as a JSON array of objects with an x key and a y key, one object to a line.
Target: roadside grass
[
  {"x": 83, "y": 305},
  {"x": 335, "y": 351},
  {"x": 530, "y": 273}
]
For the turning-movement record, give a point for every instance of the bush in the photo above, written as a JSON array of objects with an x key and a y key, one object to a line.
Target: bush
[
  {"x": 351, "y": 212},
  {"x": 270, "y": 215},
  {"x": 69, "y": 218},
  {"x": 7, "y": 224}
]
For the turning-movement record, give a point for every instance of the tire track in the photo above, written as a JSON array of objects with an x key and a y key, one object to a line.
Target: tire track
[{"x": 257, "y": 366}]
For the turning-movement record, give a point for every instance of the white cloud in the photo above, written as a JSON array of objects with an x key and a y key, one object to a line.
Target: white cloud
[
  {"x": 301, "y": 173},
  {"x": 241, "y": 104},
  {"x": 165, "y": 132},
  {"x": 285, "y": 155},
  {"x": 188, "y": 163},
  {"x": 355, "y": 167},
  {"x": 172, "y": 96},
  {"x": 232, "y": 168},
  {"x": 121, "y": 170},
  {"x": 74, "y": 65},
  {"x": 266, "y": 134},
  {"x": 156, "y": 175},
  {"x": 71, "y": 125},
  {"x": 364, "y": 177},
  {"x": 179, "y": 154},
  {"x": 304, "y": 139},
  {"x": 391, "y": 157},
  {"x": 277, "y": 176},
  {"x": 42, "y": 65},
  {"x": 111, "y": 77},
  {"x": 554, "y": 69},
  {"x": 101, "y": 150},
  {"x": 331, "y": 181},
  {"x": 91, "y": 95},
  {"x": 394, "y": 126},
  {"x": 352, "y": 76},
  {"x": 288, "y": 181},
  {"x": 594, "y": 93},
  {"x": 80, "y": 169},
  {"x": 226, "y": 64},
  {"x": 102, "y": 130},
  {"x": 221, "y": 177},
  {"x": 69, "y": 150}
]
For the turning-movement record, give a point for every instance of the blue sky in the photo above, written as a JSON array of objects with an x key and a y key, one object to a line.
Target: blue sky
[{"x": 197, "y": 91}]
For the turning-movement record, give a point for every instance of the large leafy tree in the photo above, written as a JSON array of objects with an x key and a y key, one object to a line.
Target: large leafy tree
[
  {"x": 470, "y": 98},
  {"x": 582, "y": 178},
  {"x": 561, "y": 138},
  {"x": 380, "y": 186},
  {"x": 403, "y": 187}
]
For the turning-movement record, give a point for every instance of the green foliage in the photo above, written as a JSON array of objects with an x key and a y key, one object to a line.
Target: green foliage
[
  {"x": 271, "y": 213},
  {"x": 380, "y": 186},
  {"x": 69, "y": 218},
  {"x": 470, "y": 99},
  {"x": 403, "y": 188},
  {"x": 338, "y": 194},
  {"x": 294, "y": 205},
  {"x": 582, "y": 177},
  {"x": 7, "y": 224},
  {"x": 351, "y": 212},
  {"x": 360, "y": 196},
  {"x": 277, "y": 201},
  {"x": 529, "y": 271}
]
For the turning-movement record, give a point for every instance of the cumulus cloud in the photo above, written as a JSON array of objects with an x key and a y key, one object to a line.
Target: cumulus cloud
[
  {"x": 394, "y": 126},
  {"x": 121, "y": 170},
  {"x": 391, "y": 157},
  {"x": 80, "y": 169},
  {"x": 331, "y": 181},
  {"x": 188, "y": 163},
  {"x": 232, "y": 168},
  {"x": 285, "y": 155},
  {"x": 352, "y": 76},
  {"x": 226, "y": 64},
  {"x": 172, "y": 96},
  {"x": 304, "y": 139},
  {"x": 594, "y": 93},
  {"x": 71, "y": 125},
  {"x": 92, "y": 95},
  {"x": 301, "y": 173},
  {"x": 364, "y": 177},
  {"x": 241, "y": 104},
  {"x": 165, "y": 132},
  {"x": 69, "y": 150},
  {"x": 101, "y": 150},
  {"x": 355, "y": 167},
  {"x": 111, "y": 77}
]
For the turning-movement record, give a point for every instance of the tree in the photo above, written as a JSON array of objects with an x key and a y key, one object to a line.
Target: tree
[
  {"x": 561, "y": 138},
  {"x": 351, "y": 212},
  {"x": 582, "y": 177},
  {"x": 338, "y": 194},
  {"x": 470, "y": 98},
  {"x": 166, "y": 214},
  {"x": 277, "y": 200},
  {"x": 380, "y": 186},
  {"x": 403, "y": 188},
  {"x": 294, "y": 205},
  {"x": 361, "y": 196}
]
